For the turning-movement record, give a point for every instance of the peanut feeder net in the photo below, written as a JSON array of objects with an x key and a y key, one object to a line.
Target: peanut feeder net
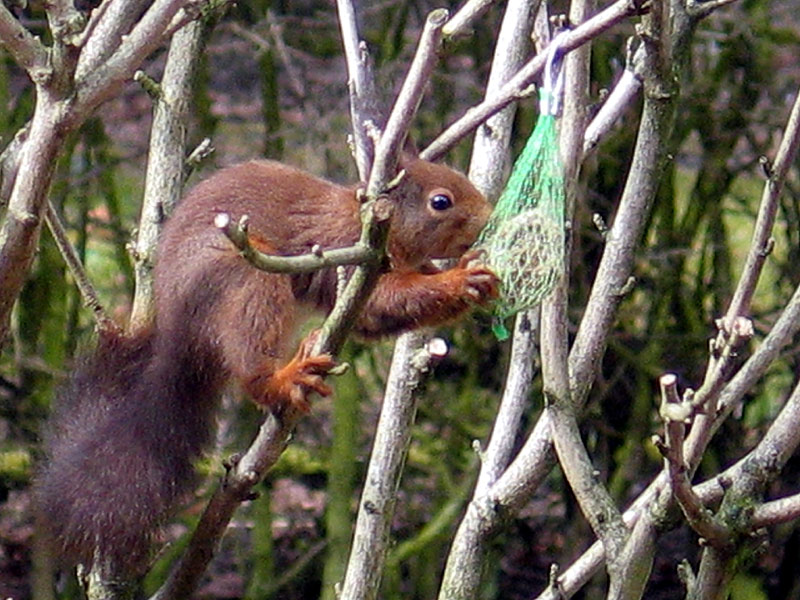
[{"x": 524, "y": 239}]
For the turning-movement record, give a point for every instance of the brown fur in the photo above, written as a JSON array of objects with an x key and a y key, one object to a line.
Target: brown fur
[{"x": 139, "y": 412}]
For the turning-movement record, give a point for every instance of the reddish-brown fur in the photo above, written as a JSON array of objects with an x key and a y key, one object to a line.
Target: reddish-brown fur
[{"x": 140, "y": 410}]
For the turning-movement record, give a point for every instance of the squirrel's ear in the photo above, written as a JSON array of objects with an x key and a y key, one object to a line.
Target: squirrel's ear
[
  {"x": 410, "y": 150},
  {"x": 409, "y": 154}
]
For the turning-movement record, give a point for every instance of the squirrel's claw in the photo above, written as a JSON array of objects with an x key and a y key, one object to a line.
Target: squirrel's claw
[
  {"x": 481, "y": 285},
  {"x": 290, "y": 386}
]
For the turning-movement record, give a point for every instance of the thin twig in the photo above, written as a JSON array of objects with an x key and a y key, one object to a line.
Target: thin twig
[
  {"x": 676, "y": 413},
  {"x": 76, "y": 269},
  {"x": 760, "y": 244},
  {"x": 304, "y": 263},
  {"x": 364, "y": 104},
  {"x": 618, "y": 101},
  {"x": 391, "y": 141},
  {"x": 296, "y": 84},
  {"x": 460, "y": 22},
  {"x": 733, "y": 326}
]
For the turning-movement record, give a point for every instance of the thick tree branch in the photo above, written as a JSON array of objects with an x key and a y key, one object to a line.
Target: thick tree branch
[
  {"x": 776, "y": 512},
  {"x": 19, "y": 234},
  {"x": 371, "y": 541},
  {"x": 107, "y": 25}
]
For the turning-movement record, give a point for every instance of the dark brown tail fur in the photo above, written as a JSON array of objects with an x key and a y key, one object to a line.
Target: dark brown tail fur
[{"x": 116, "y": 462}]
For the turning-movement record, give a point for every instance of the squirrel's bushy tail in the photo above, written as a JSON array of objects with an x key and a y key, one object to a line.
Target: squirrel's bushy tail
[{"x": 119, "y": 456}]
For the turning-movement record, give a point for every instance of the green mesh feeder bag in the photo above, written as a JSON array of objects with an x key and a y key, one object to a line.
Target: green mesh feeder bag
[{"x": 524, "y": 240}]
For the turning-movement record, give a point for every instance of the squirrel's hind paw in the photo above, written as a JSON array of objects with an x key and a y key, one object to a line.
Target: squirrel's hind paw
[{"x": 289, "y": 387}]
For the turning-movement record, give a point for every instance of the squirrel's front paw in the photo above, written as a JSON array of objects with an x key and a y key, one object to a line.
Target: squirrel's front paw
[{"x": 480, "y": 284}]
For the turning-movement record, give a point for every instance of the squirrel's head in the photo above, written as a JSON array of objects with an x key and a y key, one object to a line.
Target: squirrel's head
[{"x": 438, "y": 214}]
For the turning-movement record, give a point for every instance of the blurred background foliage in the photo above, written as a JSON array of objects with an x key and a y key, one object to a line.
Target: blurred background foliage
[{"x": 273, "y": 84}]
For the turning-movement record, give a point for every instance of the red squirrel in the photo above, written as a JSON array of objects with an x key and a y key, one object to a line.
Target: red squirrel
[{"x": 139, "y": 411}]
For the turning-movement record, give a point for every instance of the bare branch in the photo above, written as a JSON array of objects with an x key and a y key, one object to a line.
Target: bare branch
[
  {"x": 75, "y": 266},
  {"x": 66, "y": 24},
  {"x": 305, "y": 263},
  {"x": 742, "y": 491},
  {"x": 596, "y": 504},
  {"x": 26, "y": 49},
  {"x": 149, "y": 32},
  {"x": 490, "y": 152},
  {"x": 166, "y": 163},
  {"x": 636, "y": 561},
  {"x": 488, "y": 168},
  {"x": 650, "y": 154},
  {"x": 676, "y": 414},
  {"x": 273, "y": 435},
  {"x": 616, "y": 104},
  {"x": 758, "y": 251},
  {"x": 388, "y": 147},
  {"x": 108, "y": 24},
  {"x": 512, "y": 405},
  {"x": 364, "y": 103},
  {"x": 460, "y": 22},
  {"x": 783, "y": 436},
  {"x": 9, "y": 163},
  {"x": 518, "y": 85},
  {"x": 462, "y": 574},
  {"x": 593, "y": 498},
  {"x": 490, "y": 156},
  {"x": 19, "y": 233},
  {"x": 376, "y": 508},
  {"x": 776, "y": 512},
  {"x": 699, "y": 9},
  {"x": 731, "y": 328}
]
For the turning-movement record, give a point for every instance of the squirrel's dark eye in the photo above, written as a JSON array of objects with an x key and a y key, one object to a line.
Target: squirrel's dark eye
[{"x": 441, "y": 201}]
